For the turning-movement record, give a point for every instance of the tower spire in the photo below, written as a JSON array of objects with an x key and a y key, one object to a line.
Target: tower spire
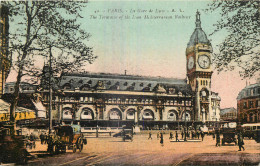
[{"x": 198, "y": 23}]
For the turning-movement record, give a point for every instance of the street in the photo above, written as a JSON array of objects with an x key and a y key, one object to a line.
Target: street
[{"x": 113, "y": 151}]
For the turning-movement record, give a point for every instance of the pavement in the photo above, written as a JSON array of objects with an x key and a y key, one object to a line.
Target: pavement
[{"x": 113, "y": 151}]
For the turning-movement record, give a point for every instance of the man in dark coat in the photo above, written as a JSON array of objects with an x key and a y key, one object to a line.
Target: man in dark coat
[
  {"x": 42, "y": 138},
  {"x": 240, "y": 141},
  {"x": 171, "y": 135},
  {"x": 182, "y": 134},
  {"x": 150, "y": 135},
  {"x": 217, "y": 139},
  {"x": 161, "y": 141},
  {"x": 202, "y": 135}
]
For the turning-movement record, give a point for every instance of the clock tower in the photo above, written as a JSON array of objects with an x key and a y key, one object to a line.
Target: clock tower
[{"x": 199, "y": 71}]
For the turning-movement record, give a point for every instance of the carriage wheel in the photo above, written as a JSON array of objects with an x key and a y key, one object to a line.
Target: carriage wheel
[
  {"x": 74, "y": 148},
  {"x": 63, "y": 149},
  {"x": 55, "y": 149},
  {"x": 22, "y": 157}
]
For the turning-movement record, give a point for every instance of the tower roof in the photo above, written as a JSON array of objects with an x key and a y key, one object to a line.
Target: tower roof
[{"x": 198, "y": 36}]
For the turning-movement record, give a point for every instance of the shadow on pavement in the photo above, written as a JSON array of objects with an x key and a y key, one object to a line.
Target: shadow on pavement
[{"x": 119, "y": 141}]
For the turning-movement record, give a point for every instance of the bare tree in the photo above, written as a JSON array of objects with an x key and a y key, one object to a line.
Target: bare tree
[
  {"x": 241, "y": 47},
  {"x": 37, "y": 26}
]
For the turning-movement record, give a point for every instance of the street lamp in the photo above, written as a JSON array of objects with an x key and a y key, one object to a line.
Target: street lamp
[{"x": 185, "y": 122}]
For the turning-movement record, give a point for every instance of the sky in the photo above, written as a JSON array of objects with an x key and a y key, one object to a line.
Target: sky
[{"x": 123, "y": 39}]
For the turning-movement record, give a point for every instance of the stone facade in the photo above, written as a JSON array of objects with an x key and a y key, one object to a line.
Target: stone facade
[
  {"x": 248, "y": 104},
  {"x": 228, "y": 114}
]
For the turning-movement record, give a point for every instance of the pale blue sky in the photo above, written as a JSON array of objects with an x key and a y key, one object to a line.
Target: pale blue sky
[
  {"x": 137, "y": 44},
  {"x": 152, "y": 47}
]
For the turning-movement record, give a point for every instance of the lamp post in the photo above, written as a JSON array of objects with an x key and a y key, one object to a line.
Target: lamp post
[
  {"x": 50, "y": 93},
  {"x": 185, "y": 122}
]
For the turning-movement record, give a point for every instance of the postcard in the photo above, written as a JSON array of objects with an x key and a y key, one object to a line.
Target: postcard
[{"x": 130, "y": 82}]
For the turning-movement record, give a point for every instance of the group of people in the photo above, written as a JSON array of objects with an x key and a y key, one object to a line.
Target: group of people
[
  {"x": 193, "y": 134},
  {"x": 44, "y": 138},
  {"x": 197, "y": 134},
  {"x": 188, "y": 135}
]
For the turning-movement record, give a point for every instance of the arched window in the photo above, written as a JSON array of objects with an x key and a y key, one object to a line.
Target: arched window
[
  {"x": 172, "y": 115},
  {"x": 148, "y": 114},
  {"x": 187, "y": 117},
  {"x": 130, "y": 114},
  {"x": 87, "y": 114},
  {"x": 67, "y": 113},
  {"x": 115, "y": 114}
]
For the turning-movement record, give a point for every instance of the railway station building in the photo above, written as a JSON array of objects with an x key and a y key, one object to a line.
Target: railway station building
[{"x": 106, "y": 99}]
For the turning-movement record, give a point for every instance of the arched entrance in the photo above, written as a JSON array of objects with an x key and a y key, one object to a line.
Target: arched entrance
[
  {"x": 172, "y": 115},
  {"x": 115, "y": 114},
  {"x": 148, "y": 115},
  {"x": 186, "y": 116},
  {"x": 130, "y": 114},
  {"x": 67, "y": 113},
  {"x": 87, "y": 114}
]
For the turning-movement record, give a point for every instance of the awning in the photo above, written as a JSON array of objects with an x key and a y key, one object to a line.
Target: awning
[
  {"x": 39, "y": 106},
  {"x": 20, "y": 113}
]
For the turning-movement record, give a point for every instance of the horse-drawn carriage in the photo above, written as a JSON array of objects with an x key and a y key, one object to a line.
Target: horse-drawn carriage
[
  {"x": 12, "y": 147},
  {"x": 66, "y": 137}
]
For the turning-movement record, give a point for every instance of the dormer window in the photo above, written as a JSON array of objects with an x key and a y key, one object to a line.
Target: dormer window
[
  {"x": 67, "y": 86},
  {"x": 142, "y": 84},
  {"x": 109, "y": 83},
  {"x": 172, "y": 90},
  {"x": 89, "y": 82},
  {"x": 85, "y": 87},
  {"x": 125, "y": 84}
]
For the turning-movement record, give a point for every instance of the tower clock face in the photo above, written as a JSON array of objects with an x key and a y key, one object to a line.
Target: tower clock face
[
  {"x": 204, "y": 61},
  {"x": 190, "y": 62}
]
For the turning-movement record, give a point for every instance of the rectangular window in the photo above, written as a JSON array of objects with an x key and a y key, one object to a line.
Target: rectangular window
[
  {"x": 81, "y": 99},
  {"x": 251, "y": 104},
  {"x": 245, "y": 105}
]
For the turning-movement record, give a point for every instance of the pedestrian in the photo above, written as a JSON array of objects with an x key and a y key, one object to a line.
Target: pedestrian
[
  {"x": 217, "y": 139},
  {"x": 240, "y": 141},
  {"x": 171, "y": 135},
  {"x": 213, "y": 136},
  {"x": 42, "y": 138},
  {"x": 176, "y": 136},
  {"x": 150, "y": 135},
  {"x": 202, "y": 135},
  {"x": 31, "y": 137},
  {"x": 161, "y": 141},
  {"x": 45, "y": 138},
  {"x": 192, "y": 134},
  {"x": 182, "y": 134},
  {"x": 198, "y": 135},
  {"x": 158, "y": 135}
]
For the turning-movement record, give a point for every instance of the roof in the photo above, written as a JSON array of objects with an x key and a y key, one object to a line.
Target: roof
[
  {"x": 252, "y": 90},
  {"x": 198, "y": 36},
  {"x": 227, "y": 110},
  {"x": 123, "y": 82},
  {"x": 5, "y": 107}
]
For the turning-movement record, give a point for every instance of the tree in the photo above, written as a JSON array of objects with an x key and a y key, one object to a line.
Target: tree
[
  {"x": 241, "y": 47},
  {"x": 36, "y": 27}
]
